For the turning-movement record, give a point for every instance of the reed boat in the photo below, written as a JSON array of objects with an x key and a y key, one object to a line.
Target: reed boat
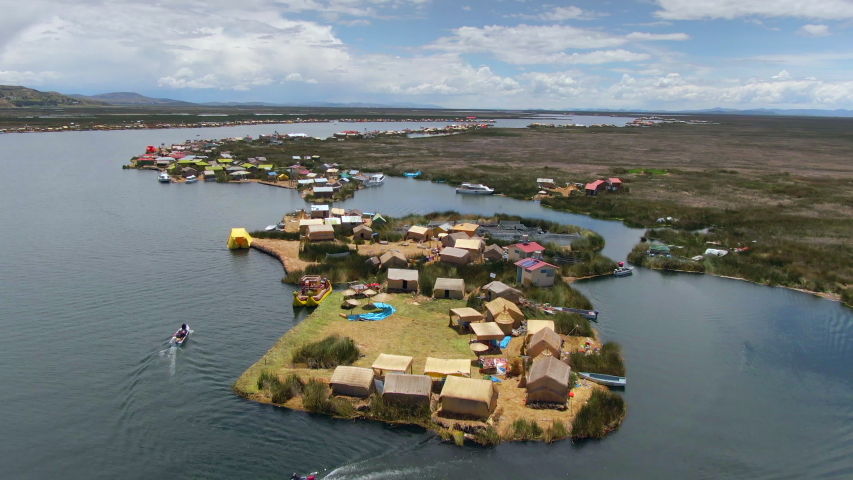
[
  {"x": 313, "y": 289},
  {"x": 600, "y": 378}
]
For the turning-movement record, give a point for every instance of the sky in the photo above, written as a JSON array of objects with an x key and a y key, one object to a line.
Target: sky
[{"x": 509, "y": 54}]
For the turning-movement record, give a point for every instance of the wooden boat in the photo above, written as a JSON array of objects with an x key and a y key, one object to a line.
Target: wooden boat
[
  {"x": 313, "y": 290},
  {"x": 180, "y": 341},
  {"x": 600, "y": 378}
]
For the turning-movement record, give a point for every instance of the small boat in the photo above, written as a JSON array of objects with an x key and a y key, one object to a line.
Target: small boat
[
  {"x": 191, "y": 179},
  {"x": 270, "y": 228},
  {"x": 600, "y": 378},
  {"x": 623, "y": 271},
  {"x": 412, "y": 175},
  {"x": 475, "y": 189},
  {"x": 164, "y": 178},
  {"x": 239, "y": 238},
  {"x": 313, "y": 290},
  {"x": 375, "y": 180},
  {"x": 180, "y": 341}
]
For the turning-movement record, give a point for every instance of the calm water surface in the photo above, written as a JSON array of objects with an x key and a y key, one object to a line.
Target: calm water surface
[{"x": 100, "y": 266}]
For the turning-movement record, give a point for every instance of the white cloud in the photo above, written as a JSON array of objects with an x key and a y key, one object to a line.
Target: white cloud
[
  {"x": 729, "y": 9},
  {"x": 814, "y": 30},
  {"x": 783, "y": 75}
]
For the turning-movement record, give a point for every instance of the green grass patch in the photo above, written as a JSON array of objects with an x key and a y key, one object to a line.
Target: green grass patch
[
  {"x": 572, "y": 324},
  {"x": 602, "y": 414},
  {"x": 381, "y": 409},
  {"x": 561, "y": 295},
  {"x": 487, "y": 436},
  {"x": 525, "y": 430},
  {"x": 327, "y": 353},
  {"x": 607, "y": 361}
]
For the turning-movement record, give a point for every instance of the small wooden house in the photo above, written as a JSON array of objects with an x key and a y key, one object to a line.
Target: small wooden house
[
  {"x": 318, "y": 233},
  {"x": 523, "y": 250},
  {"x": 189, "y": 171},
  {"x": 542, "y": 341},
  {"x": 392, "y": 259},
  {"x": 465, "y": 316},
  {"x": 614, "y": 184},
  {"x": 320, "y": 211},
  {"x": 402, "y": 281},
  {"x": 455, "y": 256},
  {"x": 475, "y": 247},
  {"x": 362, "y": 232},
  {"x": 449, "y": 288},
  {"x": 497, "y": 289},
  {"x": 419, "y": 233},
  {"x": 548, "y": 381},
  {"x": 322, "y": 192},
  {"x": 545, "y": 183},
  {"x": 535, "y": 272},
  {"x": 468, "y": 396},
  {"x": 352, "y": 381},
  {"x": 404, "y": 389},
  {"x": 307, "y": 222},
  {"x": 493, "y": 253},
  {"x": 594, "y": 187}
]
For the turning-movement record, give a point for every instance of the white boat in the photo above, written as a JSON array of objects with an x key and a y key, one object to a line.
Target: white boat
[
  {"x": 475, "y": 189},
  {"x": 164, "y": 178},
  {"x": 180, "y": 341},
  {"x": 623, "y": 271},
  {"x": 375, "y": 180},
  {"x": 191, "y": 179},
  {"x": 600, "y": 378},
  {"x": 269, "y": 228}
]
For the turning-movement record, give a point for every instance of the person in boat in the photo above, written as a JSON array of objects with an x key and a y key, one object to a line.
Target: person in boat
[{"x": 180, "y": 334}]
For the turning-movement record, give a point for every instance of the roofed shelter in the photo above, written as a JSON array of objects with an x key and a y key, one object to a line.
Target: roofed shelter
[
  {"x": 449, "y": 240},
  {"x": 407, "y": 389},
  {"x": 499, "y": 289},
  {"x": 469, "y": 229},
  {"x": 475, "y": 246},
  {"x": 487, "y": 331},
  {"x": 449, "y": 288},
  {"x": 318, "y": 233},
  {"x": 465, "y": 316},
  {"x": 455, "y": 256},
  {"x": 306, "y": 222},
  {"x": 418, "y": 233},
  {"x": 534, "y": 326},
  {"x": 391, "y": 259},
  {"x": 548, "y": 381},
  {"x": 391, "y": 363},
  {"x": 542, "y": 341},
  {"x": 503, "y": 307},
  {"x": 438, "y": 368},
  {"x": 352, "y": 381},
  {"x": 493, "y": 253},
  {"x": 402, "y": 280},
  {"x": 362, "y": 232},
  {"x": 468, "y": 396}
]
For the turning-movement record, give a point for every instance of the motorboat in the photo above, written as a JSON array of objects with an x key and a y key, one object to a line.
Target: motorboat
[
  {"x": 313, "y": 289},
  {"x": 176, "y": 341},
  {"x": 623, "y": 271},
  {"x": 269, "y": 228},
  {"x": 600, "y": 378},
  {"x": 164, "y": 178},
  {"x": 191, "y": 179},
  {"x": 412, "y": 174},
  {"x": 375, "y": 180},
  {"x": 475, "y": 189}
]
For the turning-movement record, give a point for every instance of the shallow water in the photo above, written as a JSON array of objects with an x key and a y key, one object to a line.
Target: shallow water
[{"x": 100, "y": 266}]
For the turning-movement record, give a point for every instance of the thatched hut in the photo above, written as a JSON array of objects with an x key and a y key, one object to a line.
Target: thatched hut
[
  {"x": 505, "y": 313},
  {"x": 493, "y": 253},
  {"x": 352, "y": 381},
  {"x": 455, "y": 256},
  {"x": 317, "y": 233},
  {"x": 469, "y": 229},
  {"x": 450, "y": 239},
  {"x": 407, "y": 389},
  {"x": 438, "y": 368},
  {"x": 486, "y": 331},
  {"x": 307, "y": 222},
  {"x": 373, "y": 261},
  {"x": 362, "y": 232},
  {"x": 533, "y": 326},
  {"x": 468, "y": 396},
  {"x": 548, "y": 381},
  {"x": 418, "y": 233},
  {"x": 542, "y": 341},
  {"x": 391, "y": 363},
  {"x": 402, "y": 281},
  {"x": 465, "y": 316},
  {"x": 449, "y": 288},
  {"x": 392, "y": 259},
  {"x": 498, "y": 289}
]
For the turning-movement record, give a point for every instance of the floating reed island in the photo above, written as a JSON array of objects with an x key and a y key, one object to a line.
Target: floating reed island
[{"x": 472, "y": 346}]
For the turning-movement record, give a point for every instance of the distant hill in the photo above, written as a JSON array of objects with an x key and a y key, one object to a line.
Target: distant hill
[
  {"x": 325, "y": 104},
  {"x": 130, "y": 98},
  {"x": 14, "y": 96}
]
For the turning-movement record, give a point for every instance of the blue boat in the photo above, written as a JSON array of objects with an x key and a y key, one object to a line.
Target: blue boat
[
  {"x": 609, "y": 380},
  {"x": 411, "y": 175}
]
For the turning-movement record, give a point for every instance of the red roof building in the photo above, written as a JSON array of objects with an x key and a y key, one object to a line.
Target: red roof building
[
  {"x": 520, "y": 251},
  {"x": 594, "y": 187}
]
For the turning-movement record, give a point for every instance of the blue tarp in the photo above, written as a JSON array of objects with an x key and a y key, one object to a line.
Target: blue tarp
[
  {"x": 505, "y": 341},
  {"x": 385, "y": 312}
]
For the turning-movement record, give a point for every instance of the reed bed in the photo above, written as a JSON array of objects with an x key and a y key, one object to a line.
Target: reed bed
[
  {"x": 315, "y": 252},
  {"x": 280, "y": 392},
  {"x": 561, "y": 294},
  {"x": 487, "y": 436},
  {"x": 381, "y": 409},
  {"x": 572, "y": 324},
  {"x": 330, "y": 352},
  {"x": 607, "y": 361},
  {"x": 524, "y": 430},
  {"x": 602, "y": 414}
]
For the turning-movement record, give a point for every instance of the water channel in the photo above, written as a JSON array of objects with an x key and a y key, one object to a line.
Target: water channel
[{"x": 99, "y": 266}]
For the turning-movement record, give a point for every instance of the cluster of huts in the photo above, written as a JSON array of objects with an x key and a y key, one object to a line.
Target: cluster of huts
[
  {"x": 325, "y": 184},
  {"x": 322, "y": 221},
  {"x": 607, "y": 184}
]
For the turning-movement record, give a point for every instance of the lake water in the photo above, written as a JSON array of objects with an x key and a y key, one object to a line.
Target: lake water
[{"x": 100, "y": 265}]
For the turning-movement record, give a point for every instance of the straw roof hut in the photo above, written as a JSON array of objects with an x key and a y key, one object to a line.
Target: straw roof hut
[
  {"x": 374, "y": 261},
  {"x": 493, "y": 253},
  {"x": 504, "y": 313},
  {"x": 468, "y": 396},
  {"x": 450, "y": 240},
  {"x": 449, "y": 288},
  {"x": 419, "y": 233},
  {"x": 318, "y": 233},
  {"x": 469, "y": 229},
  {"x": 391, "y": 363},
  {"x": 487, "y": 331},
  {"x": 548, "y": 381},
  {"x": 465, "y": 315},
  {"x": 498, "y": 289},
  {"x": 474, "y": 245},
  {"x": 307, "y": 222},
  {"x": 542, "y": 341},
  {"x": 352, "y": 381},
  {"x": 439, "y": 368},
  {"x": 401, "y": 281},
  {"x": 455, "y": 256},
  {"x": 534, "y": 326},
  {"x": 392, "y": 259},
  {"x": 407, "y": 389},
  {"x": 362, "y": 232}
]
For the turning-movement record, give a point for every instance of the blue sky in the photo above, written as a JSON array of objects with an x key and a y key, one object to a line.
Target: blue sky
[{"x": 654, "y": 54}]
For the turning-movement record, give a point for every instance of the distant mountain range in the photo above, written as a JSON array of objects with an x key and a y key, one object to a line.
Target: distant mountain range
[
  {"x": 12, "y": 96},
  {"x": 130, "y": 98},
  {"x": 326, "y": 105}
]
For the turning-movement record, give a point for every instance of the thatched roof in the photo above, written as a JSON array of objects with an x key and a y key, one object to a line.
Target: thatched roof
[
  {"x": 444, "y": 366},
  {"x": 392, "y": 363},
  {"x": 545, "y": 339},
  {"x": 550, "y": 368},
  {"x": 487, "y": 331},
  {"x": 362, "y": 228},
  {"x": 419, "y": 230},
  {"x": 468, "y": 389},
  {"x": 474, "y": 244},
  {"x": 305, "y": 222},
  {"x": 404, "y": 384},
  {"x": 466, "y": 227},
  {"x": 373, "y": 261},
  {"x": 498, "y": 288},
  {"x": 453, "y": 284},
  {"x": 320, "y": 228},
  {"x": 467, "y": 313},
  {"x": 534, "y": 326},
  {"x": 393, "y": 258},
  {"x": 500, "y": 306},
  {"x": 452, "y": 252},
  {"x": 402, "y": 274},
  {"x": 493, "y": 251},
  {"x": 352, "y": 376}
]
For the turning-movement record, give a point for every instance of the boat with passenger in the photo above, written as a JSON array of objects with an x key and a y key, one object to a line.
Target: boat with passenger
[
  {"x": 313, "y": 289},
  {"x": 164, "y": 178},
  {"x": 180, "y": 337},
  {"x": 622, "y": 270},
  {"x": 375, "y": 180},
  {"x": 475, "y": 189}
]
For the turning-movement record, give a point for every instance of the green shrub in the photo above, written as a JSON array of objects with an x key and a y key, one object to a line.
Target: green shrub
[
  {"x": 327, "y": 353},
  {"x": 561, "y": 295},
  {"x": 607, "y": 361},
  {"x": 847, "y": 296},
  {"x": 556, "y": 431},
  {"x": 266, "y": 379},
  {"x": 315, "y": 397},
  {"x": 487, "y": 436},
  {"x": 573, "y": 324},
  {"x": 289, "y": 388},
  {"x": 381, "y": 409},
  {"x": 343, "y": 408},
  {"x": 523, "y": 429},
  {"x": 600, "y": 415}
]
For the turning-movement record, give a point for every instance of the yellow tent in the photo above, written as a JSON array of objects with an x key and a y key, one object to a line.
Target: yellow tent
[
  {"x": 283, "y": 176},
  {"x": 239, "y": 238}
]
